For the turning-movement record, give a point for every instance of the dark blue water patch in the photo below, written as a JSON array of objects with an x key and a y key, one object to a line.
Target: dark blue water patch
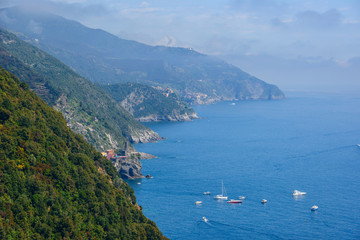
[{"x": 260, "y": 150}]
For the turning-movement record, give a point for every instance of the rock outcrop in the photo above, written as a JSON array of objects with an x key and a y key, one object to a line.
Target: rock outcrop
[
  {"x": 175, "y": 117},
  {"x": 129, "y": 167},
  {"x": 144, "y": 136},
  {"x": 151, "y": 104}
]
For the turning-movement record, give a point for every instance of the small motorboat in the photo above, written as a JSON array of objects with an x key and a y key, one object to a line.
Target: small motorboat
[
  {"x": 139, "y": 183},
  {"x": 242, "y": 197},
  {"x": 206, "y": 193},
  {"x": 204, "y": 219},
  {"x": 234, "y": 201},
  {"x": 314, "y": 208},
  {"x": 264, "y": 201},
  {"x": 198, "y": 202},
  {"x": 298, "y": 193}
]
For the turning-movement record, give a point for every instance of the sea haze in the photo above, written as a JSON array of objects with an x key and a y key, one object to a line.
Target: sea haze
[{"x": 260, "y": 149}]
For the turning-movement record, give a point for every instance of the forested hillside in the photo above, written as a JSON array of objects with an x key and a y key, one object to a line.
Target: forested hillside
[{"x": 53, "y": 185}]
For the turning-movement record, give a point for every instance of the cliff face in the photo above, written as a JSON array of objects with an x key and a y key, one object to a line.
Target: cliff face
[
  {"x": 144, "y": 136},
  {"x": 129, "y": 168},
  {"x": 148, "y": 104},
  {"x": 174, "y": 117},
  {"x": 128, "y": 163},
  {"x": 249, "y": 89}
]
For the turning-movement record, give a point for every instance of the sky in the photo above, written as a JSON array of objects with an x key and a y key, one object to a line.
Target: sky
[{"x": 296, "y": 44}]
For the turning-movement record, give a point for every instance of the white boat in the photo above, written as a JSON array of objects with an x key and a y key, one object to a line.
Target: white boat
[
  {"x": 298, "y": 193},
  {"x": 263, "y": 201},
  {"x": 242, "y": 197},
  {"x": 314, "y": 208},
  {"x": 359, "y": 145},
  {"x": 223, "y": 195},
  {"x": 234, "y": 201},
  {"x": 204, "y": 219},
  {"x": 198, "y": 202},
  {"x": 206, "y": 193}
]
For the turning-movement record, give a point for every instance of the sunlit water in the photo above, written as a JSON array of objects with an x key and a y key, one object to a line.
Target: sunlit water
[{"x": 260, "y": 149}]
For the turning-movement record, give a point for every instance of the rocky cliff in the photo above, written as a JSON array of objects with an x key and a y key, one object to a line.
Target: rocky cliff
[
  {"x": 129, "y": 168},
  {"x": 151, "y": 104}
]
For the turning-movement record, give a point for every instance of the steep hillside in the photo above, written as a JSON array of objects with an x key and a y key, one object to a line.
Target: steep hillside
[
  {"x": 149, "y": 104},
  {"x": 53, "y": 184},
  {"x": 88, "y": 109},
  {"x": 107, "y": 59}
]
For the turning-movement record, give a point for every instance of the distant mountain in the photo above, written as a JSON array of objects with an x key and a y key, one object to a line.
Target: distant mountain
[
  {"x": 53, "y": 184},
  {"x": 150, "y": 104},
  {"x": 107, "y": 59}
]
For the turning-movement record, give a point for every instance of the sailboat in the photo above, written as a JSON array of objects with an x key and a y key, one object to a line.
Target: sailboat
[{"x": 223, "y": 195}]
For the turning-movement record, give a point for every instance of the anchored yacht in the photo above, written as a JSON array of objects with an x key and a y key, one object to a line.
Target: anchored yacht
[{"x": 223, "y": 195}]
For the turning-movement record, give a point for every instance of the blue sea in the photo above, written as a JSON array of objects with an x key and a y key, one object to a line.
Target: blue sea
[{"x": 261, "y": 150}]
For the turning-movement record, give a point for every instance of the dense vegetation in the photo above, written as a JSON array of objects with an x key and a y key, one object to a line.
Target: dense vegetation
[
  {"x": 53, "y": 185},
  {"x": 107, "y": 59},
  {"x": 146, "y": 102},
  {"x": 88, "y": 109}
]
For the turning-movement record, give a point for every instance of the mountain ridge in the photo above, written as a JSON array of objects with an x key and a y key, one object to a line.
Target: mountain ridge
[{"x": 107, "y": 59}]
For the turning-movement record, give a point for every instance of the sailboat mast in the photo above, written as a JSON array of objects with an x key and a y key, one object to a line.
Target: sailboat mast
[{"x": 222, "y": 188}]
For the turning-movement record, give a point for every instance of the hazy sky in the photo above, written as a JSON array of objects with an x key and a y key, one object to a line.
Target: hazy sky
[{"x": 293, "y": 43}]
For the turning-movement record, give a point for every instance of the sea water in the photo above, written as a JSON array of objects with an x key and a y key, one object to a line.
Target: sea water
[{"x": 260, "y": 150}]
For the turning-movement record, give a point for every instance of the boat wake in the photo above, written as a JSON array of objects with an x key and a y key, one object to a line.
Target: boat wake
[
  {"x": 208, "y": 222},
  {"x": 319, "y": 152},
  {"x": 216, "y": 224}
]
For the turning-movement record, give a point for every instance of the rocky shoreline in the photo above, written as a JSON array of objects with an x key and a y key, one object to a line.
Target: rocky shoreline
[
  {"x": 168, "y": 118},
  {"x": 130, "y": 167},
  {"x": 145, "y": 136}
]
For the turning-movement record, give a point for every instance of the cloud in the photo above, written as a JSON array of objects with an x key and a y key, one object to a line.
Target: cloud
[
  {"x": 302, "y": 73},
  {"x": 256, "y": 4},
  {"x": 168, "y": 41},
  {"x": 35, "y": 27},
  {"x": 277, "y": 22},
  {"x": 141, "y": 10},
  {"x": 69, "y": 1},
  {"x": 261, "y": 7},
  {"x": 278, "y": 27},
  {"x": 68, "y": 8},
  {"x": 5, "y": 19},
  {"x": 144, "y": 4},
  {"x": 328, "y": 19}
]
